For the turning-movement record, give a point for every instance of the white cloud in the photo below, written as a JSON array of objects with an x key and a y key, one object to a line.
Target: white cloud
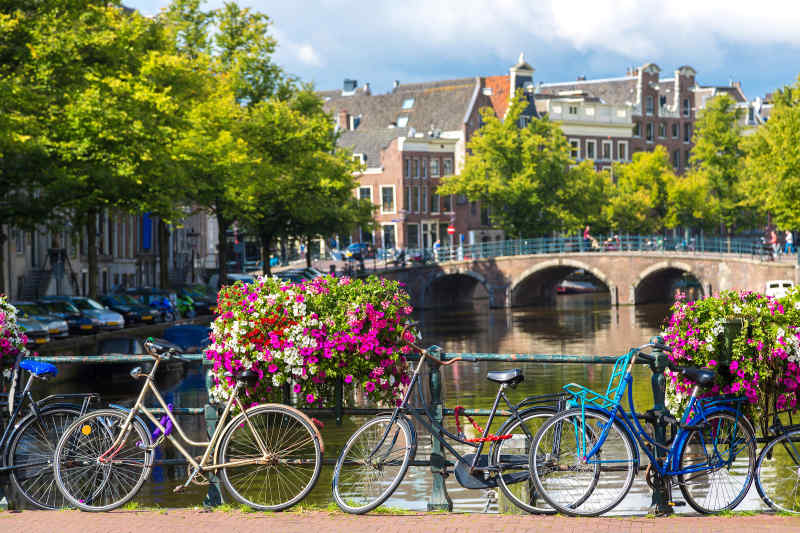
[{"x": 307, "y": 54}]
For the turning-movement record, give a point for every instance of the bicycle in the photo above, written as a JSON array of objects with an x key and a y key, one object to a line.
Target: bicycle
[
  {"x": 28, "y": 442},
  {"x": 778, "y": 467},
  {"x": 268, "y": 456},
  {"x": 375, "y": 459},
  {"x": 595, "y": 443}
]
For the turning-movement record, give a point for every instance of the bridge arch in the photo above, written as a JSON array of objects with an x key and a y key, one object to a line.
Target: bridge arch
[
  {"x": 656, "y": 282},
  {"x": 447, "y": 288},
  {"x": 537, "y": 284}
]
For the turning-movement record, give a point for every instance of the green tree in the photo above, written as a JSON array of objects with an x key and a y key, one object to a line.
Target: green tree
[
  {"x": 773, "y": 161},
  {"x": 638, "y": 203},
  {"x": 718, "y": 154},
  {"x": 523, "y": 175},
  {"x": 690, "y": 203}
]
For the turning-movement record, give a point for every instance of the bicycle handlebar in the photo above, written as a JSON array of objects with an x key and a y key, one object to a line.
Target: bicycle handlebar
[
  {"x": 160, "y": 352},
  {"x": 424, "y": 353}
]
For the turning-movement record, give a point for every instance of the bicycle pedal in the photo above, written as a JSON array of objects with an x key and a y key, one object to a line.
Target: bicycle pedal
[
  {"x": 179, "y": 489},
  {"x": 677, "y": 504}
]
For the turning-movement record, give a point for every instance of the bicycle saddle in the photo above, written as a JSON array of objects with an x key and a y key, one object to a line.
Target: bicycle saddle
[
  {"x": 248, "y": 377},
  {"x": 38, "y": 368},
  {"x": 702, "y": 376},
  {"x": 511, "y": 377}
]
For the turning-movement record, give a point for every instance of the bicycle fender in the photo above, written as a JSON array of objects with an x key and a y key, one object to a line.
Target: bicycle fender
[{"x": 684, "y": 435}]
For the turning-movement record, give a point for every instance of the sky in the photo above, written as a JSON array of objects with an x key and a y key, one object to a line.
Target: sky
[{"x": 378, "y": 41}]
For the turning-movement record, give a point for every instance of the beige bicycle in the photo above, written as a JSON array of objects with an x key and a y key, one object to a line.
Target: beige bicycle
[{"x": 268, "y": 456}]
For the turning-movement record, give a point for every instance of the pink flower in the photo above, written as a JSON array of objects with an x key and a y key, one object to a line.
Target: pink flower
[
  {"x": 348, "y": 379},
  {"x": 297, "y": 388},
  {"x": 310, "y": 398},
  {"x": 272, "y": 368},
  {"x": 733, "y": 366},
  {"x": 369, "y": 386}
]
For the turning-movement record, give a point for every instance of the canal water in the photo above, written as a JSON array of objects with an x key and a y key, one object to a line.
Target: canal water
[{"x": 577, "y": 324}]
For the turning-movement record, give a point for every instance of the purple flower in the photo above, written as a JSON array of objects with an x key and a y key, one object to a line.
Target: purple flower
[
  {"x": 272, "y": 368},
  {"x": 297, "y": 388},
  {"x": 369, "y": 386},
  {"x": 348, "y": 379},
  {"x": 310, "y": 398}
]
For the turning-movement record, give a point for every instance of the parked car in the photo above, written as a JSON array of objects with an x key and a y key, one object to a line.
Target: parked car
[
  {"x": 204, "y": 303},
  {"x": 128, "y": 307},
  {"x": 160, "y": 301},
  {"x": 57, "y": 327},
  {"x": 92, "y": 308},
  {"x": 232, "y": 277},
  {"x": 360, "y": 250},
  {"x": 77, "y": 322},
  {"x": 35, "y": 331},
  {"x": 777, "y": 288}
]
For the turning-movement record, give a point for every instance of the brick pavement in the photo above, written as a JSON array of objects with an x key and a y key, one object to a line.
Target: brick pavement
[{"x": 197, "y": 521}]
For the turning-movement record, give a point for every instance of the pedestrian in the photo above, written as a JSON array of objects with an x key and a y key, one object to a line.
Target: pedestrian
[
  {"x": 788, "y": 239},
  {"x": 589, "y": 242},
  {"x": 437, "y": 247},
  {"x": 772, "y": 243}
]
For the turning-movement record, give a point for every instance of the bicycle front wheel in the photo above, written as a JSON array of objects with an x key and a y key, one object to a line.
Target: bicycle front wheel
[
  {"x": 778, "y": 473},
  {"x": 717, "y": 460},
  {"x": 572, "y": 484},
  {"x": 511, "y": 455},
  {"x": 91, "y": 471},
  {"x": 372, "y": 464},
  {"x": 273, "y": 457},
  {"x": 30, "y": 456}
]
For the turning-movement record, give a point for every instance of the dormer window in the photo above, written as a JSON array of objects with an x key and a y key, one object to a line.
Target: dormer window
[
  {"x": 573, "y": 110},
  {"x": 402, "y": 121},
  {"x": 408, "y": 103}
]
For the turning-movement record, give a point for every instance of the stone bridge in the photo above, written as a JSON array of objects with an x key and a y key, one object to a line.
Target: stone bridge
[{"x": 631, "y": 277}]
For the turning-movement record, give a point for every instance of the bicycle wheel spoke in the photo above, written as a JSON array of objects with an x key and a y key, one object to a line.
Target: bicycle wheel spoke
[{"x": 778, "y": 473}]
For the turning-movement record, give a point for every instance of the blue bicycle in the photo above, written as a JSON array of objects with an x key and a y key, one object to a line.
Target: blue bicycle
[{"x": 593, "y": 447}]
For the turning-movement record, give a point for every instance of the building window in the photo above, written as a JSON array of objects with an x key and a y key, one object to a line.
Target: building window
[
  {"x": 415, "y": 199},
  {"x": 402, "y": 122},
  {"x": 412, "y": 236},
  {"x": 676, "y": 159},
  {"x": 484, "y": 216},
  {"x": 387, "y": 197},
  {"x": 424, "y": 200},
  {"x": 687, "y": 110},
  {"x": 649, "y": 132},
  {"x": 675, "y": 129},
  {"x": 407, "y": 206},
  {"x": 687, "y": 132},
  {"x": 19, "y": 241},
  {"x": 447, "y": 203},
  {"x": 636, "y": 130},
  {"x": 649, "y": 104},
  {"x": 523, "y": 121},
  {"x": 407, "y": 169},
  {"x": 408, "y": 103},
  {"x": 575, "y": 149},
  {"x": 416, "y": 168},
  {"x": 388, "y": 236},
  {"x": 447, "y": 169},
  {"x": 365, "y": 193},
  {"x": 434, "y": 168},
  {"x": 591, "y": 150},
  {"x": 622, "y": 151},
  {"x": 607, "y": 148},
  {"x": 473, "y": 208},
  {"x": 425, "y": 168},
  {"x": 573, "y": 110},
  {"x": 662, "y": 101},
  {"x": 434, "y": 202},
  {"x": 662, "y": 130}
]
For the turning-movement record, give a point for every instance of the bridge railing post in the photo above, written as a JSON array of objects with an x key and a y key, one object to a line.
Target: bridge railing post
[
  {"x": 661, "y": 496},
  {"x": 438, "y": 500},
  {"x": 214, "y": 495}
]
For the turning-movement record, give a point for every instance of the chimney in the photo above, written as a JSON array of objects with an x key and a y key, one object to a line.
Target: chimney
[
  {"x": 344, "y": 120},
  {"x": 396, "y": 84},
  {"x": 582, "y": 77},
  {"x": 349, "y": 85},
  {"x": 366, "y": 89}
]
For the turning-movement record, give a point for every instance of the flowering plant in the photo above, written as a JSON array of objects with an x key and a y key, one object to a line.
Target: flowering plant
[
  {"x": 307, "y": 336},
  {"x": 12, "y": 337},
  {"x": 762, "y": 362}
]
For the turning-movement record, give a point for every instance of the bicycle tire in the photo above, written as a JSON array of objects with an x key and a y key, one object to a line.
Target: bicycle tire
[
  {"x": 521, "y": 493},
  {"x": 33, "y": 445},
  {"x": 784, "y": 475},
  {"x": 616, "y": 450},
  {"x": 347, "y": 484},
  {"x": 282, "y": 430},
  {"x": 698, "y": 438},
  {"x": 77, "y": 458}
]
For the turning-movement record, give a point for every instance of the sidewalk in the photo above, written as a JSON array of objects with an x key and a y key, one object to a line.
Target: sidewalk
[{"x": 196, "y": 521}]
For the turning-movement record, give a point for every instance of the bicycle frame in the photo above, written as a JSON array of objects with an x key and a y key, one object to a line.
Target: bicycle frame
[
  {"x": 205, "y": 463},
  {"x": 700, "y": 408}
]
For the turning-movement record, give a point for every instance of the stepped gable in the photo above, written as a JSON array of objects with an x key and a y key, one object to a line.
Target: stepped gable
[{"x": 616, "y": 91}]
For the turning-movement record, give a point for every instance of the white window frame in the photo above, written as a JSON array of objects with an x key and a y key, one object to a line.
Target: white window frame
[
  {"x": 445, "y": 170},
  {"x": 394, "y": 200},
  {"x": 575, "y": 147},
  {"x": 438, "y": 167},
  {"x": 394, "y": 231},
  {"x": 424, "y": 167},
  {"x": 368, "y": 187},
  {"x": 686, "y": 107},
  {"x": 415, "y": 167},
  {"x": 593, "y": 144},
  {"x": 452, "y": 203},
  {"x": 573, "y": 110},
  {"x": 662, "y": 126},
  {"x": 610, "y": 145},
  {"x": 424, "y": 199},
  {"x": 622, "y": 146},
  {"x": 676, "y": 130},
  {"x": 435, "y": 206},
  {"x": 649, "y": 104}
]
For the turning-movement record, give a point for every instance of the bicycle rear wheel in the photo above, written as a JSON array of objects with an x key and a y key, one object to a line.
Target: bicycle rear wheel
[
  {"x": 370, "y": 467},
  {"x": 89, "y": 473},
  {"x": 291, "y": 466},
  {"x": 511, "y": 455},
  {"x": 778, "y": 473},
  {"x": 568, "y": 482},
  {"x": 724, "y": 453},
  {"x": 30, "y": 455}
]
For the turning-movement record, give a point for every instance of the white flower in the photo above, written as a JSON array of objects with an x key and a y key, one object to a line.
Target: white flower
[
  {"x": 737, "y": 309},
  {"x": 710, "y": 347}
]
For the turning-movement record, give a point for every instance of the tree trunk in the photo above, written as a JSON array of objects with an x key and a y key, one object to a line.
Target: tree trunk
[
  {"x": 3, "y": 240},
  {"x": 91, "y": 251},
  {"x": 222, "y": 249},
  {"x": 284, "y": 259},
  {"x": 266, "y": 241},
  {"x": 308, "y": 251},
  {"x": 163, "y": 253}
]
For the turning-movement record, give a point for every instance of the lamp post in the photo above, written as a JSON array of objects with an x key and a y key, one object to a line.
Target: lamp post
[{"x": 192, "y": 236}]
